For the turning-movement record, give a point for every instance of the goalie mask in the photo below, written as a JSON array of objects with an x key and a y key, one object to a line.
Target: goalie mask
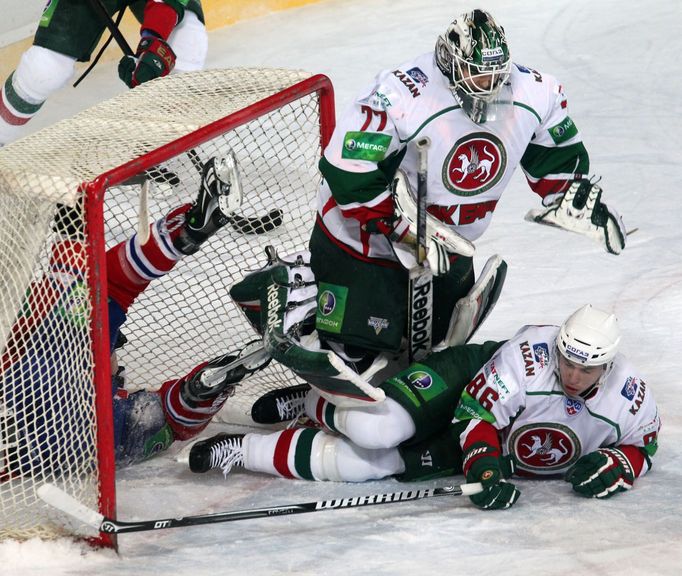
[
  {"x": 474, "y": 57},
  {"x": 589, "y": 337}
]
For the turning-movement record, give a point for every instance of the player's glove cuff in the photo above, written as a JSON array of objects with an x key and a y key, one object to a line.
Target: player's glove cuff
[
  {"x": 154, "y": 58},
  {"x": 483, "y": 464}
]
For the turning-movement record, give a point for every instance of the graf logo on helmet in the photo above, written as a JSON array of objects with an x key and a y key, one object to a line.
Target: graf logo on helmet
[
  {"x": 544, "y": 448},
  {"x": 474, "y": 164}
]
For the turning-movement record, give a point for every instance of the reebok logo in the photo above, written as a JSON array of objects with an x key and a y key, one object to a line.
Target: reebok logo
[
  {"x": 273, "y": 320},
  {"x": 420, "y": 333}
]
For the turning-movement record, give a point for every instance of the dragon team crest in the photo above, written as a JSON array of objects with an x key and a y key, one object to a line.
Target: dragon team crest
[
  {"x": 475, "y": 164},
  {"x": 544, "y": 448}
]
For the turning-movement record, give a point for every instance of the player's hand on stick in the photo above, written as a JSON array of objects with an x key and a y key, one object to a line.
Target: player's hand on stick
[
  {"x": 482, "y": 464},
  {"x": 581, "y": 210},
  {"x": 397, "y": 229},
  {"x": 601, "y": 474},
  {"x": 154, "y": 58}
]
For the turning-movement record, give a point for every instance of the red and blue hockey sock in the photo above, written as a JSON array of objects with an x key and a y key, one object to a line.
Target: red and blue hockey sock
[
  {"x": 188, "y": 418},
  {"x": 131, "y": 265}
]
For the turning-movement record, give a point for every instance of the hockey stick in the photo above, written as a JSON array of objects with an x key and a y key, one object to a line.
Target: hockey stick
[
  {"x": 59, "y": 499},
  {"x": 108, "y": 21},
  {"x": 420, "y": 313},
  {"x": 243, "y": 224},
  {"x": 95, "y": 60}
]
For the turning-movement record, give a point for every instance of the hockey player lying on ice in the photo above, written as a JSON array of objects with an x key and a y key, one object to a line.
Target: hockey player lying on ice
[
  {"x": 551, "y": 401},
  {"x": 144, "y": 422}
]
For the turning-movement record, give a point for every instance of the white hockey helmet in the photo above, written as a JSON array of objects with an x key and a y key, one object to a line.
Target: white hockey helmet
[
  {"x": 473, "y": 49},
  {"x": 589, "y": 337}
]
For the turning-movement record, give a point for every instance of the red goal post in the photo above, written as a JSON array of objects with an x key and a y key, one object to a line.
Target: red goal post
[{"x": 277, "y": 123}]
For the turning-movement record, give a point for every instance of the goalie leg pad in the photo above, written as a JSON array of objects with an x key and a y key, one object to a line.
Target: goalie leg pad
[
  {"x": 247, "y": 293},
  {"x": 471, "y": 311},
  {"x": 287, "y": 302}
]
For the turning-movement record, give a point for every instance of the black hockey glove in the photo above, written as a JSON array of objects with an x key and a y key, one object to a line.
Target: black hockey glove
[
  {"x": 483, "y": 464},
  {"x": 601, "y": 474},
  {"x": 154, "y": 58}
]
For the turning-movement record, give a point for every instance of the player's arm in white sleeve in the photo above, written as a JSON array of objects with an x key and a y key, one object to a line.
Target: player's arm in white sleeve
[
  {"x": 556, "y": 165},
  {"x": 556, "y": 156},
  {"x": 613, "y": 469},
  {"x": 363, "y": 155}
]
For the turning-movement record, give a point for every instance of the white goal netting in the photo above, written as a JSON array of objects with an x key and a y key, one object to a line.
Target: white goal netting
[{"x": 49, "y": 426}]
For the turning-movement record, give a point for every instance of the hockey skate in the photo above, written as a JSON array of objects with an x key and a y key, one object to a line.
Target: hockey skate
[
  {"x": 222, "y": 451},
  {"x": 281, "y": 405},
  {"x": 214, "y": 204},
  {"x": 222, "y": 374}
]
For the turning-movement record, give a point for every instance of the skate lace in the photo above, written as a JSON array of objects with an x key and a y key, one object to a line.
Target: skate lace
[
  {"x": 227, "y": 454},
  {"x": 291, "y": 407}
]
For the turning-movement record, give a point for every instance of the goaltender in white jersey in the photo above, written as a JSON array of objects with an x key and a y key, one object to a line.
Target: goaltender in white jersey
[
  {"x": 480, "y": 117},
  {"x": 470, "y": 164},
  {"x": 550, "y": 402}
]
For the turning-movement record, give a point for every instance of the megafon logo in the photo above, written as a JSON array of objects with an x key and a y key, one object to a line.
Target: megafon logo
[
  {"x": 420, "y": 379},
  {"x": 326, "y": 303},
  {"x": 351, "y": 144}
]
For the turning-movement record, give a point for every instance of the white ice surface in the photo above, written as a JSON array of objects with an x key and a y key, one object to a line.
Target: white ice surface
[{"x": 619, "y": 62}]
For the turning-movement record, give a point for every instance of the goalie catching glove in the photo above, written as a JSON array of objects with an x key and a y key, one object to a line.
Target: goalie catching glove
[
  {"x": 401, "y": 229},
  {"x": 601, "y": 474},
  {"x": 581, "y": 210}
]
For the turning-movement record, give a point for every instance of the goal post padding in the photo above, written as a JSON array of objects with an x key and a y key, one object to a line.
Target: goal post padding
[{"x": 276, "y": 122}]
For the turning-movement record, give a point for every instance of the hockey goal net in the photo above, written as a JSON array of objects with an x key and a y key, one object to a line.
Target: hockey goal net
[{"x": 55, "y": 384}]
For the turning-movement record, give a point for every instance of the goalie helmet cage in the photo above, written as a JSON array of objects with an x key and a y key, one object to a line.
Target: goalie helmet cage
[{"x": 71, "y": 191}]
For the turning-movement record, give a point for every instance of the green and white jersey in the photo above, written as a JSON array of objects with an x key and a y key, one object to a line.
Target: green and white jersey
[
  {"x": 469, "y": 164},
  {"x": 519, "y": 393}
]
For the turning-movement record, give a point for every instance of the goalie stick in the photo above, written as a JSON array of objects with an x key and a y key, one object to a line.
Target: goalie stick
[
  {"x": 420, "y": 295},
  {"x": 60, "y": 500}
]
